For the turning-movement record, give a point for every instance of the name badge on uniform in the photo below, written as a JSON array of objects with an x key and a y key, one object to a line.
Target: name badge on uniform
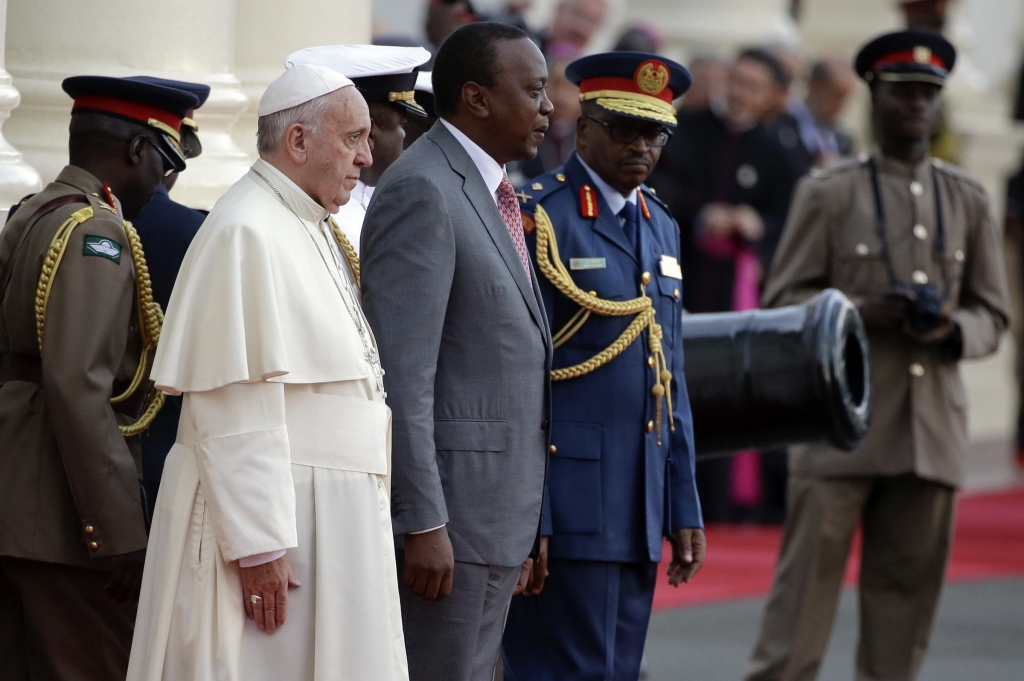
[
  {"x": 589, "y": 264},
  {"x": 670, "y": 267}
]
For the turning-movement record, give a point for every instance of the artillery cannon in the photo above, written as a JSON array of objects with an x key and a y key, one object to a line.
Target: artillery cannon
[{"x": 767, "y": 378}]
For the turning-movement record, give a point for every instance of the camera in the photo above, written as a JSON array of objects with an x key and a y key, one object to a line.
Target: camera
[{"x": 924, "y": 313}]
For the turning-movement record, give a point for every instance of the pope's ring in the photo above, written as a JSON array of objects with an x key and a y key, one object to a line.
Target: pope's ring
[{"x": 256, "y": 600}]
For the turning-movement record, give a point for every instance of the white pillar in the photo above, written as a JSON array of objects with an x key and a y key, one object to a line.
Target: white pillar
[
  {"x": 267, "y": 31},
  {"x": 17, "y": 178},
  {"x": 185, "y": 40}
]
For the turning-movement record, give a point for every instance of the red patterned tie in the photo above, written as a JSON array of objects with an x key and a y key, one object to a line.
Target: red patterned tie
[{"x": 508, "y": 204}]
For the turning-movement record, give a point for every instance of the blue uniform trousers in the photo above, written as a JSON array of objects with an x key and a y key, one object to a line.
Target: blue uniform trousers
[{"x": 588, "y": 624}]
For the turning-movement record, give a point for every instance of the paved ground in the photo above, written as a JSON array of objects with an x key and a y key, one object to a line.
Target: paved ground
[{"x": 979, "y": 635}]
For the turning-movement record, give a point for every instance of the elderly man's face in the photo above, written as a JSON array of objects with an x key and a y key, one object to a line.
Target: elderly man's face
[
  {"x": 576, "y": 21},
  {"x": 339, "y": 150},
  {"x": 519, "y": 104}
]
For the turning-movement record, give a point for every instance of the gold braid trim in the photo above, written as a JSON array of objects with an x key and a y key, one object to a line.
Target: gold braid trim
[
  {"x": 151, "y": 317},
  {"x": 549, "y": 262},
  {"x": 347, "y": 249}
]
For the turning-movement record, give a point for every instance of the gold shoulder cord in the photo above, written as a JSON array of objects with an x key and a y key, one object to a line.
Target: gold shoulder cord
[
  {"x": 151, "y": 317},
  {"x": 551, "y": 266},
  {"x": 347, "y": 249}
]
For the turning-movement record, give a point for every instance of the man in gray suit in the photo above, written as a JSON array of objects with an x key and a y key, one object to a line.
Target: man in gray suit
[{"x": 452, "y": 298}]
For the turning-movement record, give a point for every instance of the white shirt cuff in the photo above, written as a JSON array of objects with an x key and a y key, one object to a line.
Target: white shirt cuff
[
  {"x": 430, "y": 530},
  {"x": 260, "y": 558}
]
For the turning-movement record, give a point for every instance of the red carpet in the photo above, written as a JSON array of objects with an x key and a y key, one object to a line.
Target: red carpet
[{"x": 989, "y": 543}]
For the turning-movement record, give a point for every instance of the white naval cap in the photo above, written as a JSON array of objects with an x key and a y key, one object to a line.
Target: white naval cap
[
  {"x": 360, "y": 61},
  {"x": 299, "y": 85},
  {"x": 424, "y": 82}
]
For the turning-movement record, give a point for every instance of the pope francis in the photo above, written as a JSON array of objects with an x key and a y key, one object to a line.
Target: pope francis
[{"x": 271, "y": 554}]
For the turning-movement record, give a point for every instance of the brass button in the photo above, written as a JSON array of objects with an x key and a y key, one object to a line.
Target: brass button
[
  {"x": 553, "y": 449},
  {"x": 650, "y": 426},
  {"x": 93, "y": 546},
  {"x": 916, "y": 370},
  {"x": 959, "y": 255},
  {"x": 916, "y": 188},
  {"x": 560, "y": 177},
  {"x": 90, "y": 530},
  {"x": 862, "y": 250},
  {"x": 921, "y": 232},
  {"x": 645, "y": 278},
  {"x": 675, "y": 292},
  {"x": 919, "y": 277},
  {"x": 650, "y": 361}
]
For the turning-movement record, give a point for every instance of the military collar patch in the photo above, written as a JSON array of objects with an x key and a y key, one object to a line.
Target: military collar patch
[
  {"x": 528, "y": 223},
  {"x": 102, "y": 247},
  {"x": 588, "y": 202}
]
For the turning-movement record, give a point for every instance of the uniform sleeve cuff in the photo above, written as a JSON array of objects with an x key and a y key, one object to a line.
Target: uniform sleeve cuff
[{"x": 425, "y": 531}]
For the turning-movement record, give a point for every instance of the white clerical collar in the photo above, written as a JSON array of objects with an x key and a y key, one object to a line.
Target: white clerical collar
[
  {"x": 298, "y": 200},
  {"x": 489, "y": 169},
  {"x": 612, "y": 197}
]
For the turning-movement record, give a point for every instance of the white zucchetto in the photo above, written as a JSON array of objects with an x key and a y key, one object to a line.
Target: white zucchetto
[{"x": 299, "y": 85}]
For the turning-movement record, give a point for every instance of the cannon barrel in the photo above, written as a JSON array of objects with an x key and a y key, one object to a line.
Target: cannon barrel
[{"x": 766, "y": 378}]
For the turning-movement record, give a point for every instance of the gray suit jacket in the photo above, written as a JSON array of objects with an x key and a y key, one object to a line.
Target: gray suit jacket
[{"x": 466, "y": 348}]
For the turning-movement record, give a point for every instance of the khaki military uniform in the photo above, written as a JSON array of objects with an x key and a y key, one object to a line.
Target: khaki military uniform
[
  {"x": 69, "y": 480},
  {"x": 900, "y": 481}
]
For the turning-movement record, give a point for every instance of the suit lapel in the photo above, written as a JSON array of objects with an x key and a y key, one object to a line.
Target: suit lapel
[
  {"x": 486, "y": 209},
  {"x": 607, "y": 223}
]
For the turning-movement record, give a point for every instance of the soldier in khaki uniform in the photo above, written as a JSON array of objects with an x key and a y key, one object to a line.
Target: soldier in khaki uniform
[
  {"x": 911, "y": 241},
  {"x": 77, "y": 331}
]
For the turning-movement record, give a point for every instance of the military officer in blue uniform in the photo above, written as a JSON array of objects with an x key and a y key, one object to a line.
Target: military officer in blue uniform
[
  {"x": 166, "y": 229},
  {"x": 621, "y": 471}
]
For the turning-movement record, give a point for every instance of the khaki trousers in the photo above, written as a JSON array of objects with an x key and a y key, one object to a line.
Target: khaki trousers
[
  {"x": 907, "y": 527},
  {"x": 57, "y": 625}
]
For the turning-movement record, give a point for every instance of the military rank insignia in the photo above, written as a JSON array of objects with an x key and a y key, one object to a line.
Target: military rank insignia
[
  {"x": 528, "y": 224},
  {"x": 643, "y": 205},
  {"x": 588, "y": 202}
]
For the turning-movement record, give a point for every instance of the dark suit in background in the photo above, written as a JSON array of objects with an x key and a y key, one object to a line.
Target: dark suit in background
[
  {"x": 166, "y": 229},
  {"x": 464, "y": 341}
]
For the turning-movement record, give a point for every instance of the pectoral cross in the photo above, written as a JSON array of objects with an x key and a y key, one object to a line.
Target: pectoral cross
[{"x": 523, "y": 196}]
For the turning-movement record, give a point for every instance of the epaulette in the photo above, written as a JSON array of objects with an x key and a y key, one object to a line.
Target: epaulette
[
  {"x": 957, "y": 173},
  {"x": 535, "y": 191},
  {"x": 652, "y": 197},
  {"x": 838, "y": 168}
]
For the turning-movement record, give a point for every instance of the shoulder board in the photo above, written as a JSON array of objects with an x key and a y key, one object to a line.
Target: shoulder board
[
  {"x": 957, "y": 173},
  {"x": 538, "y": 189},
  {"x": 648, "y": 194},
  {"x": 839, "y": 168}
]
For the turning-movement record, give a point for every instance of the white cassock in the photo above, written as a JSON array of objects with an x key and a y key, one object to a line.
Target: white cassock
[
  {"x": 282, "y": 445},
  {"x": 350, "y": 216}
]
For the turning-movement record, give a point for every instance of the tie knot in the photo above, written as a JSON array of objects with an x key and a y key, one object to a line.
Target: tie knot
[
  {"x": 628, "y": 212},
  {"x": 506, "y": 188}
]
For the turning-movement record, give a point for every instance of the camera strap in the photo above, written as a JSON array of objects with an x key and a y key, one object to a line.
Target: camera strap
[{"x": 939, "y": 252}]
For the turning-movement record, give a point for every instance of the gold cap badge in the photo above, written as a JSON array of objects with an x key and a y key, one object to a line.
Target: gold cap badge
[{"x": 651, "y": 77}]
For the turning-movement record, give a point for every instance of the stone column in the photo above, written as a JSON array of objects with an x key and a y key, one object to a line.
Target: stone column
[
  {"x": 17, "y": 178},
  {"x": 267, "y": 31},
  {"x": 185, "y": 40}
]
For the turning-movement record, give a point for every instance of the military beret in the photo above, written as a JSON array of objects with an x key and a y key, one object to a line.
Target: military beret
[
  {"x": 632, "y": 84},
  {"x": 907, "y": 56}
]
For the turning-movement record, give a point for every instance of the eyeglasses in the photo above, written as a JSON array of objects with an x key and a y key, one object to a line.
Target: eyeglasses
[
  {"x": 627, "y": 134},
  {"x": 169, "y": 168}
]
